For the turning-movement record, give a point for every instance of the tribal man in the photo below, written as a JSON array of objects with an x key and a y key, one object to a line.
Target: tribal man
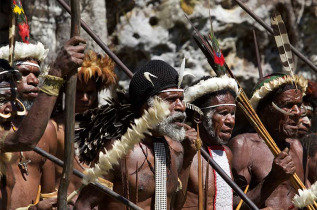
[
  {"x": 95, "y": 74},
  {"x": 157, "y": 180},
  {"x": 309, "y": 109},
  {"x": 215, "y": 96},
  {"x": 34, "y": 174},
  {"x": 277, "y": 100}
]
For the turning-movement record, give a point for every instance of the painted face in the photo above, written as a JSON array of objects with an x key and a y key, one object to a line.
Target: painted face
[
  {"x": 172, "y": 126},
  {"x": 28, "y": 86},
  {"x": 6, "y": 102},
  {"x": 282, "y": 125},
  {"x": 219, "y": 121},
  {"x": 305, "y": 121},
  {"x": 86, "y": 95}
]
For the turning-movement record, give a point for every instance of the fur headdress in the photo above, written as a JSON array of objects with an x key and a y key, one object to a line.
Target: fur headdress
[
  {"x": 24, "y": 50},
  {"x": 97, "y": 67},
  {"x": 210, "y": 85},
  {"x": 273, "y": 82}
]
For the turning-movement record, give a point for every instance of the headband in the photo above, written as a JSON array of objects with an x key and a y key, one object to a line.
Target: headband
[
  {"x": 210, "y": 107},
  {"x": 18, "y": 63}
]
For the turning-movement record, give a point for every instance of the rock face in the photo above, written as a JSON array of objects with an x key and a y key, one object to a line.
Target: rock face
[{"x": 140, "y": 30}]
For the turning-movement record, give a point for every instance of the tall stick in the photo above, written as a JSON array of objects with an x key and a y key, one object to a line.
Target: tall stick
[
  {"x": 270, "y": 30},
  {"x": 77, "y": 173},
  {"x": 99, "y": 42},
  {"x": 11, "y": 35},
  {"x": 70, "y": 116},
  {"x": 200, "y": 175},
  {"x": 257, "y": 52},
  {"x": 227, "y": 179}
]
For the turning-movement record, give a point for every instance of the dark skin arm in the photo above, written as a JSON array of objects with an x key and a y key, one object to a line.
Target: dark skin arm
[
  {"x": 282, "y": 169},
  {"x": 189, "y": 153},
  {"x": 34, "y": 124}
]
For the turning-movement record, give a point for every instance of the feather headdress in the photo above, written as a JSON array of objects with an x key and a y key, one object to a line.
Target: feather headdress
[
  {"x": 210, "y": 85},
  {"x": 23, "y": 51},
  {"x": 273, "y": 82},
  {"x": 97, "y": 67},
  {"x": 283, "y": 44}
]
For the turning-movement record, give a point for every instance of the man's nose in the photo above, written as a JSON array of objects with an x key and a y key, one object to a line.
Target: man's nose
[
  {"x": 8, "y": 108},
  {"x": 296, "y": 110},
  {"x": 179, "y": 105},
  {"x": 84, "y": 98},
  {"x": 230, "y": 120},
  {"x": 306, "y": 122},
  {"x": 32, "y": 80}
]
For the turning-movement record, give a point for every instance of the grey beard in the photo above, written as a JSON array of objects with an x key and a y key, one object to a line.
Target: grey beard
[
  {"x": 27, "y": 103},
  {"x": 207, "y": 123},
  {"x": 168, "y": 128}
]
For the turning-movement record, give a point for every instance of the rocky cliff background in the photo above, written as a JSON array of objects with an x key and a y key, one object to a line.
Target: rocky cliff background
[{"x": 140, "y": 30}]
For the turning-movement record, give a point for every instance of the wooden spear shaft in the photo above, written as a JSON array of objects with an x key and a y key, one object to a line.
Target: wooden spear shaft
[
  {"x": 200, "y": 176},
  {"x": 70, "y": 115}
]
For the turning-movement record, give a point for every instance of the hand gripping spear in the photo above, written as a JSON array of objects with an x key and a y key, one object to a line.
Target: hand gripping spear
[{"x": 70, "y": 115}]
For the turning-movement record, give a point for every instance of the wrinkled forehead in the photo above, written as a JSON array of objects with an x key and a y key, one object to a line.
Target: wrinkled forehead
[
  {"x": 225, "y": 98},
  {"x": 289, "y": 95}
]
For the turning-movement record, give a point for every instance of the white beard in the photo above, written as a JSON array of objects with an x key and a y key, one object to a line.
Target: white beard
[{"x": 168, "y": 128}]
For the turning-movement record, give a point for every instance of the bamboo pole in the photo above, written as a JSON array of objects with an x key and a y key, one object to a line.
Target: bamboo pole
[{"x": 70, "y": 116}]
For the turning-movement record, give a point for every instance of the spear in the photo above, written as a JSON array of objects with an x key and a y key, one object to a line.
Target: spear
[
  {"x": 70, "y": 116},
  {"x": 79, "y": 174},
  {"x": 270, "y": 30}
]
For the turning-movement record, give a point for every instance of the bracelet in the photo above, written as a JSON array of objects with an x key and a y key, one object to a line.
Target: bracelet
[
  {"x": 51, "y": 85},
  {"x": 49, "y": 195}
]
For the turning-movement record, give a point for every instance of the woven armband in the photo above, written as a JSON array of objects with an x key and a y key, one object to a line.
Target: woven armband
[{"x": 51, "y": 85}]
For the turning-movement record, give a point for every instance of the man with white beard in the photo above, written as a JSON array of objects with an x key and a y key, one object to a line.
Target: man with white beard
[
  {"x": 172, "y": 141},
  {"x": 216, "y": 98}
]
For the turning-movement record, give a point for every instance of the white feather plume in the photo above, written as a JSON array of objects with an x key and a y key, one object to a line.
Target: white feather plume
[
  {"x": 304, "y": 198},
  {"x": 208, "y": 86},
  {"x": 153, "y": 116},
  {"x": 23, "y": 50}
]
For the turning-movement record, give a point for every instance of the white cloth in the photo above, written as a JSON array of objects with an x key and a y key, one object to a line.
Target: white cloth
[
  {"x": 224, "y": 195},
  {"x": 160, "y": 176}
]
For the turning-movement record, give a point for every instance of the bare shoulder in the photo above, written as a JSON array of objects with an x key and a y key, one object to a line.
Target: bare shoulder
[
  {"x": 244, "y": 141},
  {"x": 295, "y": 144}
]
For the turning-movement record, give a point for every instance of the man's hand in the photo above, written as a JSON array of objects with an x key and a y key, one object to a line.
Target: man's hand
[
  {"x": 189, "y": 141},
  {"x": 70, "y": 57},
  {"x": 48, "y": 203},
  {"x": 283, "y": 166}
]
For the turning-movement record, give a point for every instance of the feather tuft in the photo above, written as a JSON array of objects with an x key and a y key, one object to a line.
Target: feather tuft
[
  {"x": 153, "y": 116},
  {"x": 283, "y": 43}
]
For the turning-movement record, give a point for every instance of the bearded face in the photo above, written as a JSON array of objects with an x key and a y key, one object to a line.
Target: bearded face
[
  {"x": 219, "y": 121},
  {"x": 172, "y": 126}
]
